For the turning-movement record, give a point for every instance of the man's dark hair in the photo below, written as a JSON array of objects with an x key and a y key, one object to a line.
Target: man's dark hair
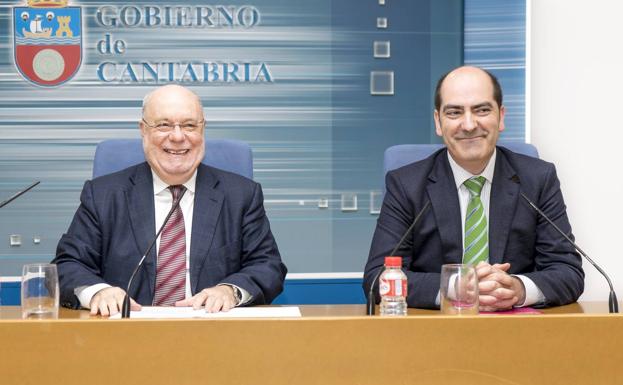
[{"x": 497, "y": 90}]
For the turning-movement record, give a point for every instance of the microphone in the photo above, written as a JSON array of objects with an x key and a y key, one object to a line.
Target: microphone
[
  {"x": 613, "y": 303},
  {"x": 370, "y": 310},
  {"x": 125, "y": 308},
  {"x": 18, "y": 194}
]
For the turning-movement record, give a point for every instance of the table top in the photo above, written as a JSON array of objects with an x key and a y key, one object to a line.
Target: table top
[
  {"x": 578, "y": 343},
  {"x": 8, "y": 313}
]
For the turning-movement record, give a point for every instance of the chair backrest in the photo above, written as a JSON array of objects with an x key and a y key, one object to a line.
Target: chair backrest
[
  {"x": 403, "y": 154},
  {"x": 116, "y": 154}
]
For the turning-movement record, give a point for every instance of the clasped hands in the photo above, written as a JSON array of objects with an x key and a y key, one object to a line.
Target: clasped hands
[
  {"x": 109, "y": 301},
  {"x": 497, "y": 289}
]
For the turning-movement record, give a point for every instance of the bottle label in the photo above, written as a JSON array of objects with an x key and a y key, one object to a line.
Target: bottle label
[{"x": 393, "y": 287}]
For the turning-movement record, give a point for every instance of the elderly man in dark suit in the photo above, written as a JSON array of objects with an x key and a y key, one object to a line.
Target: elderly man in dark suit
[
  {"x": 476, "y": 214},
  {"x": 216, "y": 251}
]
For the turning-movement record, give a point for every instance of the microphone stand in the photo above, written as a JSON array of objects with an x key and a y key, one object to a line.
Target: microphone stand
[
  {"x": 125, "y": 307},
  {"x": 613, "y": 303},
  {"x": 18, "y": 194}
]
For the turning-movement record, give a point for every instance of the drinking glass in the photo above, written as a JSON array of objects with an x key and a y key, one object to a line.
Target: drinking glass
[
  {"x": 40, "y": 293},
  {"x": 459, "y": 289}
]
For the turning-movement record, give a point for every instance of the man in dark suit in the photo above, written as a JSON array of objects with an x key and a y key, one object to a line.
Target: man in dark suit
[
  {"x": 216, "y": 251},
  {"x": 520, "y": 260}
]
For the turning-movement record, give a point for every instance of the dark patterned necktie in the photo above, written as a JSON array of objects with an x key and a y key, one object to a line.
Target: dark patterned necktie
[{"x": 171, "y": 268}]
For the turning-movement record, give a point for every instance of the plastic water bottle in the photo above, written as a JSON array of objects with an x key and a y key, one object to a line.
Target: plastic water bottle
[{"x": 393, "y": 288}]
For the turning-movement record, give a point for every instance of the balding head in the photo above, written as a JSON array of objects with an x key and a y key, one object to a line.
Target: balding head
[
  {"x": 172, "y": 89},
  {"x": 497, "y": 90}
]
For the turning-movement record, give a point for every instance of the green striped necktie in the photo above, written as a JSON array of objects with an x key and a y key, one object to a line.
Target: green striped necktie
[{"x": 476, "y": 239}]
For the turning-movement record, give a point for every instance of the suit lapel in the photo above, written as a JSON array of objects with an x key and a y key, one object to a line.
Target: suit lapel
[
  {"x": 502, "y": 205},
  {"x": 445, "y": 202},
  {"x": 141, "y": 208},
  {"x": 206, "y": 212}
]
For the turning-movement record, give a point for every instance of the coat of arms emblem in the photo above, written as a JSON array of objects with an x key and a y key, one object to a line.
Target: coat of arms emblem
[{"x": 48, "y": 41}]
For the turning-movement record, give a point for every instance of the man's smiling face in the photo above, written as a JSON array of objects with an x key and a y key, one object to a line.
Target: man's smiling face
[
  {"x": 469, "y": 119},
  {"x": 172, "y": 129}
]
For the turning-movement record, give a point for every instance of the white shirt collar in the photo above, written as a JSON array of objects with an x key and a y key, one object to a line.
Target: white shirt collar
[
  {"x": 461, "y": 175},
  {"x": 160, "y": 185}
]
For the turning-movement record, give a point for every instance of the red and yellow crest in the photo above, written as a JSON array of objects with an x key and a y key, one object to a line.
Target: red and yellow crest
[{"x": 48, "y": 41}]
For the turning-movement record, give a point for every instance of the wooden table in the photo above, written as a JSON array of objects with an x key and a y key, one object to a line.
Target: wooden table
[{"x": 332, "y": 344}]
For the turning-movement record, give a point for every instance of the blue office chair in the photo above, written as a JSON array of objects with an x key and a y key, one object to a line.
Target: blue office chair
[
  {"x": 403, "y": 154},
  {"x": 116, "y": 154}
]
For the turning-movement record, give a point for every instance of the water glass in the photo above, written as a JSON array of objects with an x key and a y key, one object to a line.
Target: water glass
[
  {"x": 40, "y": 292},
  {"x": 459, "y": 289}
]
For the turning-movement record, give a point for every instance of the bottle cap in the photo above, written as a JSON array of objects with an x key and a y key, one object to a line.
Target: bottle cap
[{"x": 393, "y": 261}]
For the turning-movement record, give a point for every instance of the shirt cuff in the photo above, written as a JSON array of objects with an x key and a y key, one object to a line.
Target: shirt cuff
[
  {"x": 534, "y": 295},
  {"x": 451, "y": 290},
  {"x": 86, "y": 293}
]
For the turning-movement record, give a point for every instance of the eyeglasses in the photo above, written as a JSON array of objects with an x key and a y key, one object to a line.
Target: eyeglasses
[{"x": 189, "y": 127}]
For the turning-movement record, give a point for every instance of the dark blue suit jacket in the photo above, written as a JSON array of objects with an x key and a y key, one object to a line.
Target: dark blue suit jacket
[
  {"x": 517, "y": 234},
  {"x": 231, "y": 241}
]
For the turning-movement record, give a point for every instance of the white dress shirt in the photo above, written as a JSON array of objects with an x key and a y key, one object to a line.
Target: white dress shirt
[
  {"x": 533, "y": 293},
  {"x": 163, "y": 200}
]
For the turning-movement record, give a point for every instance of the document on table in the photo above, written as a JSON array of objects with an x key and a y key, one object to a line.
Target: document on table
[{"x": 161, "y": 312}]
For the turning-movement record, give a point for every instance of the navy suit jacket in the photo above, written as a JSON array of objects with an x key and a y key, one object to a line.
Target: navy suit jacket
[
  {"x": 517, "y": 234},
  {"x": 231, "y": 241}
]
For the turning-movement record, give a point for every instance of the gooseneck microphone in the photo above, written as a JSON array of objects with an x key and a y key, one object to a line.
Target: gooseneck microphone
[
  {"x": 125, "y": 308},
  {"x": 613, "y": 303},
  {"x": 370, "y": 310},
  {"x": 18, "y": 194}
]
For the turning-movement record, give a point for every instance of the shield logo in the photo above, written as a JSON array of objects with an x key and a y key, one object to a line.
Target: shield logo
[{"x": 48, "y": 41}]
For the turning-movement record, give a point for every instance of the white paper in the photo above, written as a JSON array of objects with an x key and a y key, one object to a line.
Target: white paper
[{"x": 153, "y": 312}]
